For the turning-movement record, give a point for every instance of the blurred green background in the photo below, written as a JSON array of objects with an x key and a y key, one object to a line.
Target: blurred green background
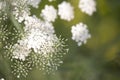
[{"x": 99, "y": 59}]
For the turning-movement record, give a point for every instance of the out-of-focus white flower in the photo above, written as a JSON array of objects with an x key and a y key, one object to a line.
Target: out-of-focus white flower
[
  {"x": 66, "y": 11},
  {"x": 80, "y": 33},
  {"x": 34, "y": 3},
  {"x": 87, "y": 6},
  {"x": 49, "y": 13},
  {"x": 2, "y": 79},
  {"x": 51, "y": 0}
]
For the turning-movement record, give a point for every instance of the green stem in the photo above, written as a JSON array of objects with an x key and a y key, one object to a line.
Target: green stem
[
  {"x": 16, "y": 24},
  {"x": 12, "y": 18}
]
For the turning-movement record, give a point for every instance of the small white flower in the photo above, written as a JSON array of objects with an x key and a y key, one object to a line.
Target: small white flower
[
  {"x": 80, "y": 33},
  {"x": 34, "y": 3},
  {"x": 87, "y": 6},
  {"x": 51, "y": 0},
  {"x": 49, "y": 13},
  {"x": 2, "y": 79},
  {"x": 65, "y": 11}
]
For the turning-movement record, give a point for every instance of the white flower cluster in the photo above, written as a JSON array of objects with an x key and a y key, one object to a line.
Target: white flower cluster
[
  {"x": 36, "y": 45},
  {"x": 80, "y": 33},
  {"x": 65, "y": 11},
  {"x": 49, "y": 13},
  {"x": 87, "y": 6}
]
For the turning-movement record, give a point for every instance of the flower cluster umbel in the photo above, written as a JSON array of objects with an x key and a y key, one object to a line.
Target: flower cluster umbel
[{"x": 31, "y": 41}]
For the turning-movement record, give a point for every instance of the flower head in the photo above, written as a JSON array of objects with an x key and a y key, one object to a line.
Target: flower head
[
  {"x": 65, "y": 11},
  {"x": 49, "y": 13},
  {"x": 2, "y": 79},
  {"x": 80, "y": 33},
  {"x": 87, "y": 6},
  {"x": 38, "y": 47}
]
